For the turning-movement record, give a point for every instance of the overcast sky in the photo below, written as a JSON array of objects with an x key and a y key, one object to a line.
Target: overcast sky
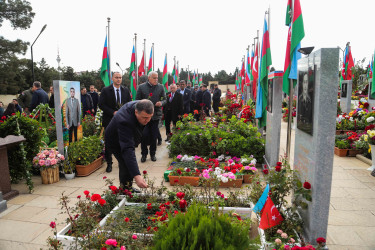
[{"x": 207, "y": 35}]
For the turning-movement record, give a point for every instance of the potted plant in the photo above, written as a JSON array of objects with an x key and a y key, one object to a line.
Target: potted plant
[
  {"x": 182, "y": 176},
  {"x": 85, "y": 154},
  {"x": 48, "y": 162},
  {"x": 341, "y": 148},
  {"x": 69, "y": 170}
]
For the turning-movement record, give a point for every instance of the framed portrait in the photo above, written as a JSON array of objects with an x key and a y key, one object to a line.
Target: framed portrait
[
  {"x": 344, "y": 89},
  {"x": 270, "y": 95},
  {"x": 306, "y": 89}
]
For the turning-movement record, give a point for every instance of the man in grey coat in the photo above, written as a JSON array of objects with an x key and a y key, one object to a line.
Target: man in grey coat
[
  {"x": 73, "y": 113},
  {"x": 153, "y": 91}
]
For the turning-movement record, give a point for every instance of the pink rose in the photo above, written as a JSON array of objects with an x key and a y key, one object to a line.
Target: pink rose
[
  {"x": 46, "y": 152},
  {"x": 292, "y": 240},
  {"x": 62, "y": 157},
  {"x": 278, "y": 241},
  {"x": 111, "y": 242},
  {"x": 134, "y": 237},
  {"x": 123, "y": 248},
  {"x": 42, "y": 162},
  {"x": 53, "y": 161},
  {"x": 247, "y": 167},
  {"x": 279, "y": 231},
  {"x": 179, "y": 157},
  {"x": 284, "y": 235}
]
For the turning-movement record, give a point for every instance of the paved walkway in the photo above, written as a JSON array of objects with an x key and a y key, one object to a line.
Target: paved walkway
[{"x": 25, "y": 224}]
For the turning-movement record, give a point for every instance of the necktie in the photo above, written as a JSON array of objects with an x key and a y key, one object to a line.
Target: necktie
[
  {"x": 170, "y": 99},
  {"x": 118, "y": 97}
]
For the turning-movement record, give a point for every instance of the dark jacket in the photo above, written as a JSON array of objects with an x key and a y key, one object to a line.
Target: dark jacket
[
  {"x": 186, "y": 99},
  {"x": 206, "y": 99},
  {"x": 87, "y": 104},
  {"x": 95, "y": 99},
  {"x": 24, "y": 100},
  {"x": 216, "y": 96},
  {"x": 198, "y": 99},
  {"x": 39, "y": 96},
  {"x": 51, "y": 102},
  {"x": 158, "y": 95},
  {"x": 18, "y": 108},
  {"x": 123, "y": 134},
  {"x": 107, "y": 102},
  {"x": 176, "y": 106}
]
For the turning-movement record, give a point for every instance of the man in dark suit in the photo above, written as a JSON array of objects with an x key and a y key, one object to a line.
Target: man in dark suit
[
  {"x": 153, "y": 91},
  {"x": 186, "y": 96},
  {"x": 216, "y": 98},
  {"x": 173, "y": 109},
  {"x": 95, "y": 97},
  {"x": 193, "y": 99},
  {"x": 123, "y": 134},
  {"x": 112, "y": 98},
  {"x": 39, "y": 96},
  {"x": 206, "y": 100},
  {"x": 87, "y": 103}
]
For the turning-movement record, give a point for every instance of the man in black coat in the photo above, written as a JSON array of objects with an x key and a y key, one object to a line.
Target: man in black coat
[
  {"x": 39, "y": 96},
  {"x": 87, "y": 104},
  {"x": 216, "y": 98},
  {"x": 112, "y": 98},
  {"x": 123, "y": 134},
  {"x": 95, "y": 97},
  {"x": 153, "y": 91},
  {"x": 206, "y": 100},
  {"x": 173, "y": 109},
  {"x": 186, "y": 94},
  {"x": 193, "y": 99}
]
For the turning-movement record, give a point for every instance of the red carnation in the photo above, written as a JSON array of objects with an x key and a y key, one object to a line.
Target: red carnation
[
  {"x": 320, "y": 240},
  {"x": 78, "y": 197},
  {"x": 307, "y": 185},
  {"x": 13, "y": 113},
  {"x": 365, "y": 105},
  {"x": 233, "y": 171},
  {"x": 179, "y": 171},
  {"x": 218, "y": 193},
  {"x": 265, "y": 171},
  {"x": 182, "y": 203},
  {"x": 31, "y": 116},
  {"x": 188, "y": 170},
  {"x": 144, "y": 172},
  {"x": 127, "y": 219},
  {"x": 150, "y": 94},
  {"x": 95, "y": 197},
  {"x": 101, "y": 202},
  {"x": 170, "y": 95},
  {"x": 86, "y": 192},
  {"x": 180, "y": 195},
  {"x": 279, "y": 163},
  {"x": 52, "y": 224},
  {"x": 278, "y": 168}
]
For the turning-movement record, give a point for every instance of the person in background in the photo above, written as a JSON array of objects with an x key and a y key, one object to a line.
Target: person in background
[
  {"x": 186, "y": 96},
  {"x": 95, "y": 97},
  {"x": 18, "y": 107},
  {"x": 1, "y": 109},
  {"x": 111, "y": 99},
  {"x": 11, "y": 110},
  {"x": 188, "y": 86},
  {"x": 198, "y": 101},
  {"x": 51, "y": 102},
  {"x": 206, "y": 100},
  {"x": 87, "y": 104},
  {"x": 216, "y": 98},
  {"x": 228, "y": 94},
  {"x": 39, "y": 96},
  {"x": 24, "y": 99},
  {"x": 173, "y": 109}
]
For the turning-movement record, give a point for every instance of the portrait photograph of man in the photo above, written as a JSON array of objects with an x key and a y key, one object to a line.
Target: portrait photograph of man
[
  {"x": 306, "y": 85},
  {"x": 270, "y": 95}
]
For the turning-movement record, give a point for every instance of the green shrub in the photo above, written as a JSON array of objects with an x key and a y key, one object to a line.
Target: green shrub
[
  {"x": 342, "y": 144},
  {"x": 89, "y": 126},
  {"x": 201, "y": 228},
  {"x": 85, "y": 151},
  {"x": 33, "y": 134}
]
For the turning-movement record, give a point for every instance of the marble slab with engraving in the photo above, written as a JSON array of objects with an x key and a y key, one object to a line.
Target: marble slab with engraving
[
  {"x": 314, "y": 143},
  {"x": 346, "y": 96}
]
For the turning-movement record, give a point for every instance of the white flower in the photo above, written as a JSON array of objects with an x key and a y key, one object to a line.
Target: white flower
[
  {"x": 370, "y": 119},
  {"x": 224, "y": 179},
  {"x": 253, "y": 161},
  {"x": 351, "y": 119},
  {"x": 243, "y": 160}
]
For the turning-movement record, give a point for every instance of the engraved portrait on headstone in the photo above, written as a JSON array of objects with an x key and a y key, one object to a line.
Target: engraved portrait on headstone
[
  {"x": 306, "y": 84},
  {"x": 270, "y": 96},
  {"x": 344, "y": 89}
]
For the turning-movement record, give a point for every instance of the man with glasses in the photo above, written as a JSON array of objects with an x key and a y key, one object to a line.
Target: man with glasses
[{"x": 111, "y": 99}]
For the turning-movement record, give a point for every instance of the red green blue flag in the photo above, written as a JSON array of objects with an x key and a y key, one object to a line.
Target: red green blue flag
[
  {"x": 288, "y": 14},
  {"x": 200, "y": 80},
  {"x": 265, "y": 62},
  {"x": 194, "y": 81},
  {"x": 150, "y": 63},
  {"x": 174, "y": 74},
  {"x": 188, "y": 80},
  {"x": 132, "y": 76},
  {"x": 348, "y": 64},
  {"x": 254, "y": 71},
  {"x": 104, "y": 74},
  {"x": 165, "y": 75},
  {"x": 141, "y": 68},
  {"x": 248, "y": 70}
]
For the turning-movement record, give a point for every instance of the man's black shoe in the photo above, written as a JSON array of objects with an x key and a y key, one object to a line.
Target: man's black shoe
[
  {"x": 153, "y": 158},
  {"x": 159, "y": 142},
  {"x": 143, "y": 159},
  {"x": 109, "y": 168}
]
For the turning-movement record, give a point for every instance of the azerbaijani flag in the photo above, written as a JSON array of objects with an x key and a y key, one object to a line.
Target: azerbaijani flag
[
  {"x": 265, "y": 62},
  {"x": 254, "y": 71},
  {"x": 104, "y": 70},
  {"x": 141, "y": 68},
  {"x": 150, "y": 63},
  {"x": 242, "y": 76},
  {"x": 287, "y": 16},
  {"x": 296, "y": 33},
  {"x": 188, "y": 80},
  {"x": 194, "y": 81},
  {"x": 236, "y": 82},
  {"x": 177, "y": 73},
  {"x": 132, "y": 76},
  {"x": 248, "y": 70},
  {"x": 200, "y": 80},
  {"x": 165, "y": 75},
  {"x": 174, "y": 74},
  {"x": 348, "y": 64}
]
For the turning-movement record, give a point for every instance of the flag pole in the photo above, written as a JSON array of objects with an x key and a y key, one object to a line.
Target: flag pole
[
  {"x": 290, "y": 103},
  {"x": 144, "y": 56},
  {"x": 136, "y": 62},
  {"x": 178, "y": 70},
  {"x": 109, "y": 51},
  {"x": 188, "y": 75}
]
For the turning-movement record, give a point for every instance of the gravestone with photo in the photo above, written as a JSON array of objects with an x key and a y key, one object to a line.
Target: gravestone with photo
[
  {"x": 275, "y": 82},
  {"x": 346, "y": 96},
  {"x": 371, "y": 98},
  {"x": 315, "y": 134}
]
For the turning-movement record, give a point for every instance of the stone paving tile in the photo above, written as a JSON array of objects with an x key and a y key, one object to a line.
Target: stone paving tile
[
  {"x": 344, "y": 235},
  {"x": 367, "y": 234},
  {"x": 47, "y": 215},
  {"x": 361, "y": 193},
  {"x": 351, "y": 204},
  {"x": 22, "y": 199},
  {"x": 341, "y": 247},
  {"x": 10, "y": 208},
  {"x": 20, "y": 230},
  {"x": 367, "y": 178},
  {"x": 53, "y": 190},
  {"x": 348, "y": 183},
  {"x": 44, "y": 201},
  {"x": 370, "y": 185},
  {"x": 358, "y": 172},
  {"x": 339, "y": 193},
  {"x": 23, "y": 213},
  {"x": 14, "y": 245},
  {"x": 351, "y": 218}
]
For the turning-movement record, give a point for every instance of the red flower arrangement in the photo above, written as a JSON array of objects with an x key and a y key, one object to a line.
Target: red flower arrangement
[{"x": 307, "y": 185}]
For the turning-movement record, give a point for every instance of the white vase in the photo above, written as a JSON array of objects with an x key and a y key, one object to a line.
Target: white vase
[
  {"x": 372, "y": 157},
  {"x": 70, "y": 176}
]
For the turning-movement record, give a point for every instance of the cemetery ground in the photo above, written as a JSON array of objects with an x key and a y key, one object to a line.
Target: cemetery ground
[{"x": 351, "y": 224}]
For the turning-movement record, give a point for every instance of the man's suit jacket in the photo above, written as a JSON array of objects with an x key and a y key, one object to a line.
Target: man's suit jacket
[
  {"x": 176, "y": 106},
  {"x": 73, "y": 112},
  {"x": 206, "y": 99},
  {"x": 107, "y": 102},
  {"x": 186, "y": 99},
  {"x": 216, "y": 96}
]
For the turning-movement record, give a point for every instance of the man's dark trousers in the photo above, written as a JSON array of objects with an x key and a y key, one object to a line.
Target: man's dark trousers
[
  {"x": 150, "y": 135},
  {"x": 125, "y": 178}
]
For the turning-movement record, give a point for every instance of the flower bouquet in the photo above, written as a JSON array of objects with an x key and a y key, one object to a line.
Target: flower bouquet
[{"x": 48, "y": 162}]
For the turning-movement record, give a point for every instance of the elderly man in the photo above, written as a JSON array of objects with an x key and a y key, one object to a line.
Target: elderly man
[
  {"x": 186, "y": 96},
  {"x": 39, "y": 96},
  {"x": 123, "y": 134},
  {"x": 153, "y": 91},
  {"x": 173, "y": 109},
  {"x": 73, "y": 113},
  {"x": 111, "y": 99}
]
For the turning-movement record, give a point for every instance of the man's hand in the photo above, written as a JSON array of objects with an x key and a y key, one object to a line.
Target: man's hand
[
  {"x": 158, "y": 104},
  {"x": 114, "y": 113},
  {"x": 140, "y": 181}
]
